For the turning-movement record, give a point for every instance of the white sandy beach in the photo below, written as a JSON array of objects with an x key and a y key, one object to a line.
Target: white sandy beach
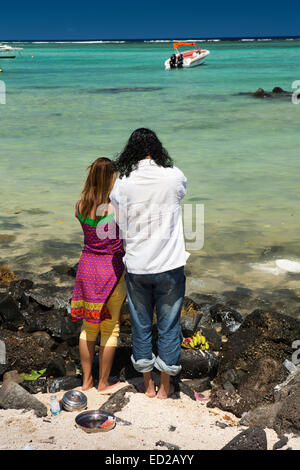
[{"x": 150, "y": 419}]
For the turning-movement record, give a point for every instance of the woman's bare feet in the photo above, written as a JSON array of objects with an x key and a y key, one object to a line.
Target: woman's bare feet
[
  {"x": 87, "y": 383},
  {"x": 107, "y": 387}
]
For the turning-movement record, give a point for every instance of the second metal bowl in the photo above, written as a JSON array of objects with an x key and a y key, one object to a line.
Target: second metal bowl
[{"x": 95, "y": 421}]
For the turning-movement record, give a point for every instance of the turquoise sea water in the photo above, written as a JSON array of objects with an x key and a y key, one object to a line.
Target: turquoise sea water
[{"x": 68, "y": 104}]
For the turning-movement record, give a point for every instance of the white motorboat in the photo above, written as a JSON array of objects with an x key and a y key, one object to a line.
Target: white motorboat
[
  {"x": 8, "y": 52},
  {"x": 190, "y": 58}
]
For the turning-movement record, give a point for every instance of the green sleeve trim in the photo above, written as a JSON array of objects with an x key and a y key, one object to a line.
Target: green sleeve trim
[{"x": 94, "y": 223}]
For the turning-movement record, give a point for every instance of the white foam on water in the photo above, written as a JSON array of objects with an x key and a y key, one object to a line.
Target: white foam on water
[
  {"x": 78, "y": 42},
  {"x": 278, "y": 266},
  {"x": 159, "y": 40},
  {"x": 97, "y": 42},
  {"x": 269, "y": 267},
  {"x": 197, "y": 283},
  {"x": 288, "y": 265}
]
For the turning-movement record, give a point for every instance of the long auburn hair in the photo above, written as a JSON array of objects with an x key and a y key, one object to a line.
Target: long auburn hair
[
  {"x": 141, "y": 143},
  {"x": 97, "y": 187}
]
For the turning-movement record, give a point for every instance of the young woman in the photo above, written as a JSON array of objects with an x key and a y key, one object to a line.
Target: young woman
[{"x": 99, "y": 290}]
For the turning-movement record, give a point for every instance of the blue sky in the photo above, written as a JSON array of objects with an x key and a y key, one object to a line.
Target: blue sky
[{"x": 153, "y": 19}]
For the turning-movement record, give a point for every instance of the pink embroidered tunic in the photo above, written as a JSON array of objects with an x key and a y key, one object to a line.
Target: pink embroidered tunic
[{"x": 99, "y": 270}]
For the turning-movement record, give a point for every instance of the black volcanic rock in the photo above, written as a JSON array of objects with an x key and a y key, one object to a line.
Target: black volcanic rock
[
  {"x": 251, "y": 439},
  {"x": 118, "y": 400},
  {"x": 261, "y": 333},
  {"x": 261, "y": 93},
  {"x": 228, "y": 400},
  {"x": 10, "y": 311},
  {"x": 284, "y": 414},
  {"x": 56, "y": 322},
  {"x": 257, "y": 386},
  {"x": 13, "y": 396},
  {"x": 23, "y": 352},
  {"x": 198, "y": 364},
  {"x": 230, "y": 319}
]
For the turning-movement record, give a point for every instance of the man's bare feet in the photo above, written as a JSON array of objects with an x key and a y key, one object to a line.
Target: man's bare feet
[
  {"x": 165, "y": 391},
  {"x": 87, "y": 383},
  {"x": 150, "y": 389},
  {"x": 149, "y": 385},
  {"x": 107, "y": 387}
]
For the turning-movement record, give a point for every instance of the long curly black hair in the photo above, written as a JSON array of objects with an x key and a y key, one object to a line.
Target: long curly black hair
[{"x": 141, "y": 143}]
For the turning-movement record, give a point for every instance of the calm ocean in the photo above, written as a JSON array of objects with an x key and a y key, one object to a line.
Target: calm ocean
[{"x": 69, "y": 103}]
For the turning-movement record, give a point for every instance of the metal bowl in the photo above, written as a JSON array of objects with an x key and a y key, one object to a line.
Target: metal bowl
[
  {"x": 95, "y": 421},
  {"x": 74, "y": 400}
]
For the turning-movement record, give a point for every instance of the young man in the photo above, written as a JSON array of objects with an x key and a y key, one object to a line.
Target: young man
[{"x": 146, "y": 198}]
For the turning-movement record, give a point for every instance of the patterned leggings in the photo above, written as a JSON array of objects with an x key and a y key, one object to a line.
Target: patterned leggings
[{"x": 109, "y": 329}]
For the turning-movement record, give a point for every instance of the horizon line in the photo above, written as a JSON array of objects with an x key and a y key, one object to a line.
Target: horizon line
[{"x": 232, "y": 38}]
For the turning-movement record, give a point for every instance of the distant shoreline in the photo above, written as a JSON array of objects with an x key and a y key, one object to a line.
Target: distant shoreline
[{"x": 155, "y": 40}]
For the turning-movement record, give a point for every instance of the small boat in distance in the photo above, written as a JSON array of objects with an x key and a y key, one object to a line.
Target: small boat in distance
[
  {"x": 189, "y": 58},
  {"x": 8, "y": 52}
]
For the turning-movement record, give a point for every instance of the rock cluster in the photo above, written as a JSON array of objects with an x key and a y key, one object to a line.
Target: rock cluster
[
  {"x": 277, "y": 92},
  {"x": 37, "y": 333},
  {"x": 283, "y": 414},
  {"x": 243, "y": 367},
  {"x": 251, "y": 370}
]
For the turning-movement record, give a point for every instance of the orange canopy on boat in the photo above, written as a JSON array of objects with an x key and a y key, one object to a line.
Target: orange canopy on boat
[{"x": 178, "y": 44}]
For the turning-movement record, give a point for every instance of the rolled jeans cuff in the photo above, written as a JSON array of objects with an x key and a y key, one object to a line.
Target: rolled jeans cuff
[
  {"x": 143, "y": 365},
  {"x": 163, "y": 367}
]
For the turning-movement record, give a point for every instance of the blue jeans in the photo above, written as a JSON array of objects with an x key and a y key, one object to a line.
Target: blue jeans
[{"x": 165, "y": 291}]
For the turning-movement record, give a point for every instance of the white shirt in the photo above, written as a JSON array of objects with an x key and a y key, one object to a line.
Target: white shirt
[{"x": 147, "y": 208}]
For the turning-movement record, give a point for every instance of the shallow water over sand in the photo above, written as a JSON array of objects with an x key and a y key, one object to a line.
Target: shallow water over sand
[{"x": 70, "y": 103}]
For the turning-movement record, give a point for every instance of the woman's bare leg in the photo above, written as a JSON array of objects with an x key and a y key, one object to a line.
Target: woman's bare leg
[
  {"x": 110, "y": 329},
  {"x": 87, "y": 351},
  {"x": 106, "y": 358}
]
